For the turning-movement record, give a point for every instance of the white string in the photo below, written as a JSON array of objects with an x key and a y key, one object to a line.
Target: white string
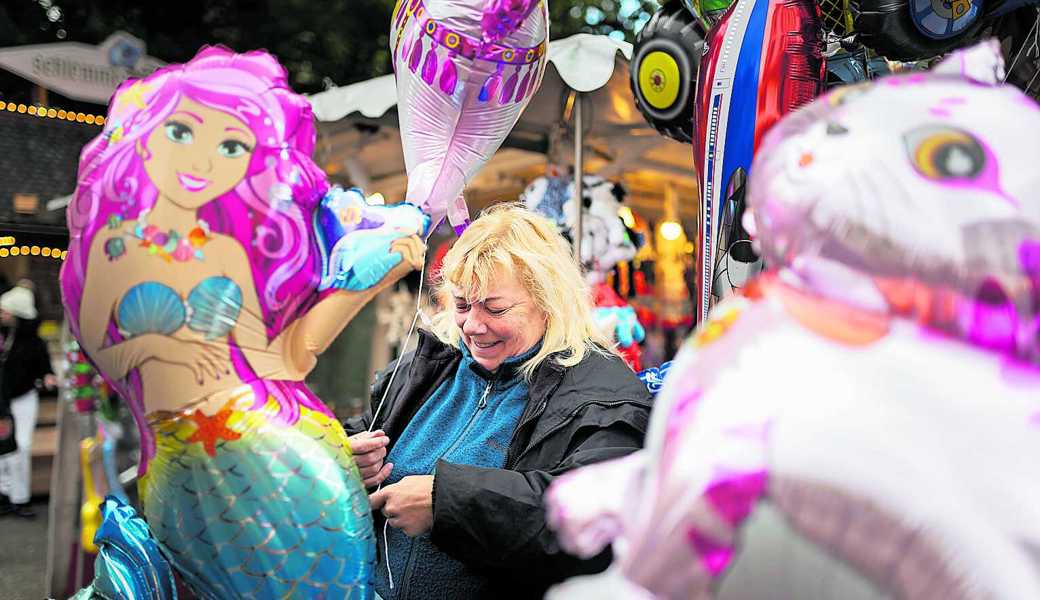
[
  {"x": 386, "y": 551},
  {"x": 386, "y": 392},
  {"x": 407, "y": 340},
  {"x": 1022, "y": 49}
]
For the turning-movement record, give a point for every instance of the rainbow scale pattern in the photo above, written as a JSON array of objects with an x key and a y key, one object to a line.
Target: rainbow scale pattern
[{"x": 279, "y": 512}]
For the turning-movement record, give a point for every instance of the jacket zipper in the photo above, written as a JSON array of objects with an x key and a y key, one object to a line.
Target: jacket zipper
[
  {"x": 560, "y": 425},
  {"x": 481, "y": 405}
]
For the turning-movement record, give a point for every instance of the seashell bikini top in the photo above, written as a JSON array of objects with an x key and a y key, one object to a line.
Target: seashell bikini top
[{"x": 211, "y": 308}]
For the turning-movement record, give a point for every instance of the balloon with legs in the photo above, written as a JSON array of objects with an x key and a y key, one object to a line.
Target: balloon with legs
[
  {"x": 465, "y": 71},
  {"x": 857, "y": 422},
  {"x": 209, "y": 265}
]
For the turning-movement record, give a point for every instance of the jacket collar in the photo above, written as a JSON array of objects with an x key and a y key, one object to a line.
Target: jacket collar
[{"x": 544, "y": 380}]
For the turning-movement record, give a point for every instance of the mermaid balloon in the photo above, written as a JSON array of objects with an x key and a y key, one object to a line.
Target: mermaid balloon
[
  {"x": 466, "y": 69},
  {"x": 862, "y": 422},
  {"x": 209, "y": 265}
]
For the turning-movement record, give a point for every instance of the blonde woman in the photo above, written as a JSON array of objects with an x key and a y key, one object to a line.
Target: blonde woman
[{"x": 516, "y": 386}]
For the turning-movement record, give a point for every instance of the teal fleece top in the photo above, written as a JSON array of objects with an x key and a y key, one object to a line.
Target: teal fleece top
[{"x": 468, "y": 420}]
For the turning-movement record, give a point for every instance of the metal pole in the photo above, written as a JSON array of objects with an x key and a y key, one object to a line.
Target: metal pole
[{"x": 579, "y": 148}]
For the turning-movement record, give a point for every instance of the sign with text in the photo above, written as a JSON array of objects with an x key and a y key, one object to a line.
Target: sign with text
[{"x": 81, "y": 71}]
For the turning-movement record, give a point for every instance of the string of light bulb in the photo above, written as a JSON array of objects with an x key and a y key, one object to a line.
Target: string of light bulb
[
  {"x": 52, "y": 113},
  {"x": 24, "y": 250}
]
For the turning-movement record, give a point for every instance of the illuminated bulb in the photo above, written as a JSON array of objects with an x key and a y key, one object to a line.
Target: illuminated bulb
[
  {"x": 21, "y": 108},
  {"x": 99, "y": 120},
  {"x": 670, "y": 230},
  {"x": 24, "y": 249},
  {"x": 45, "y": 251},
  {"x": 89, "y": 119},
  {"x": 35, "y": 250},
  {"x": 32, "y": 110},
  {"x": 55, "y": 252},
  {"x": 626, "y": 215},
  {"x": 3, "y": 252},
  {"x": 15, "y": 251},
  {"x": 64, "y": 253},
  {"x": 51, "y": 113},
  {"x": 61, "y": 114}
]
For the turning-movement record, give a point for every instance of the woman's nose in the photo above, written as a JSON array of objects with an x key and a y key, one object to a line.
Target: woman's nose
[
  {"x": 202, "y": 164},
  {"x": 473, "y": 325}
]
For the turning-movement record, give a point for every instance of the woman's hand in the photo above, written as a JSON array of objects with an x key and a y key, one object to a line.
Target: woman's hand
[
  {"x": 369, "y": 450},
  {"x": 407, "y": 504},
  {"x": 205, "y": 359}
]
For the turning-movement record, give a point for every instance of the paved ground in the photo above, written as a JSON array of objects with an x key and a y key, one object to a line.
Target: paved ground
[{"x": 23, "y": 555}]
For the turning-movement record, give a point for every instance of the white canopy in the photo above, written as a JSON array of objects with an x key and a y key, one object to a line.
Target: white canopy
[{"x": 359, "y": 140}]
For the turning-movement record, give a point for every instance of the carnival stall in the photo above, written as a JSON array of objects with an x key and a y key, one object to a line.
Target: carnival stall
[{"x": 586, "y": 82}]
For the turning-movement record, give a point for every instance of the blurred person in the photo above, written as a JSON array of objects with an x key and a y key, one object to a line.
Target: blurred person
[{"x": 25, "y": 367}]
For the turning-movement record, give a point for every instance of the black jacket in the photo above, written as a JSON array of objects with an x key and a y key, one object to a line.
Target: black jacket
[
  {"x": 493, "y": 520},
  {"x": 25, "y": 363}
]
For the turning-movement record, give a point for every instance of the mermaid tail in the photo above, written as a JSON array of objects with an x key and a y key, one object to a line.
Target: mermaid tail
[
  {"x": 354, "y": 238},
  {"x": 247, "y": 506}
]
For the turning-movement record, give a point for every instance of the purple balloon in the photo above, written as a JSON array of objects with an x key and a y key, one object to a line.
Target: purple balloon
[{"x": 460, "y": 89}]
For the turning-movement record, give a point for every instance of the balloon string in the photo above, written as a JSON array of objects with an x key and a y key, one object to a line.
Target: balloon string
[
  {"x": 407, "y": 339},
  {"x": 386, "y": 551},
  {"x": 1032, "y": 33},
  {"x": 386, "y": 392}
]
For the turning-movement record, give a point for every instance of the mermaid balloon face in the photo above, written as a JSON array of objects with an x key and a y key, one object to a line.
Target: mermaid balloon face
[{"x": 197, "y": 154}]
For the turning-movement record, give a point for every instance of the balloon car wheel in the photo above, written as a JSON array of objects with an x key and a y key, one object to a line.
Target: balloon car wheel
[{"x": 659, "y": 79}]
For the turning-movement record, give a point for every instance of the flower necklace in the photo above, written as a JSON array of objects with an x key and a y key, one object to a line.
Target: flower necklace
[{"x": 169, "y": 245}]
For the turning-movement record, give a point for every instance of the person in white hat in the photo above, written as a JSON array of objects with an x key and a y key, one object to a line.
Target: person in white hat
[{"x": 24, "y": 366}]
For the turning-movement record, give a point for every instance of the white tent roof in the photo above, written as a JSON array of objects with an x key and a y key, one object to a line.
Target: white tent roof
[{"x": 359, "y": 140}]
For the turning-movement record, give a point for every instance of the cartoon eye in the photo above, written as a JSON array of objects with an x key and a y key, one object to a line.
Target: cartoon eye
[
  {"x": 232, "y": 149},
  {"x": 179, "y": 133},
  {"x": 942, "y": 152}
]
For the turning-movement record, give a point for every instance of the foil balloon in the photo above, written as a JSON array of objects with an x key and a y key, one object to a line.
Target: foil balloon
[
  {"x": 209, "y": 265},
  {"x": 663, "y": 71},
  {"x": 764, "y": 59},
  {"x": 860, "y": 422},
  {"x": 466, "y": 69}
]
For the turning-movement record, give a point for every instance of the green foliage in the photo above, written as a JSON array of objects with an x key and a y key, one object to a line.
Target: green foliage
[{"x": 617, "y": 18}]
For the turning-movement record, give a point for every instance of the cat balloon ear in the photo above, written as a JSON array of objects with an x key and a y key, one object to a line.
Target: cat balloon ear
[{"x": 982, "y": 63}]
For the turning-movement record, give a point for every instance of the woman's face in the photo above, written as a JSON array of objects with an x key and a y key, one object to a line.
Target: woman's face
[
  {"x": 505, "y": 324},
  {"x": 197, "y": 154},
  {"x": 6, "y": 319}
]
